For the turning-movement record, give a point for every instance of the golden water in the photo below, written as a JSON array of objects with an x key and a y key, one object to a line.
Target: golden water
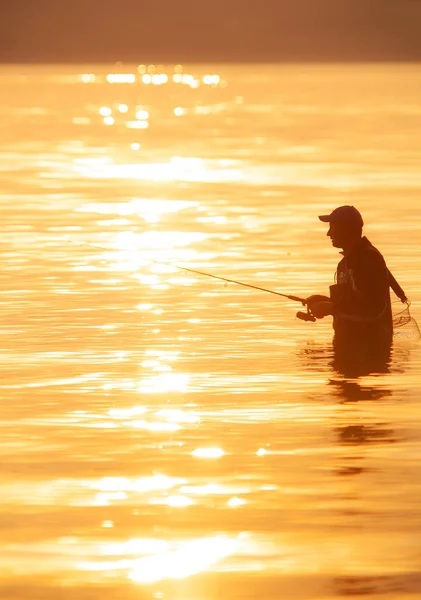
[{"x": 164, "y": 435}]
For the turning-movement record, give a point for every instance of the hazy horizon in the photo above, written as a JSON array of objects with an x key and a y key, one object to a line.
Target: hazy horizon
[
  {"x": 273, "y": 31},
  {"x": 199, "y": 63}
]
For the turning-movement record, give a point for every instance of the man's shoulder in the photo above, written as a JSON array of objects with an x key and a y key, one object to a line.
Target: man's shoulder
[
  {"x": 369, "y": 260},
  {"x": 369, "y": 252},
  {"x": 365, "y": 257}
]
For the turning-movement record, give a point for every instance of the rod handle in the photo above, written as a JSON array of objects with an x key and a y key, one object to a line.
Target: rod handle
[
  {"x": 305, "y": 316},
  {"x": 303, "y": 301}
]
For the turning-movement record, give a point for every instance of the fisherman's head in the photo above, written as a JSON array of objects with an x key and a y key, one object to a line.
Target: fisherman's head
[{"x": 345, "y": 226}]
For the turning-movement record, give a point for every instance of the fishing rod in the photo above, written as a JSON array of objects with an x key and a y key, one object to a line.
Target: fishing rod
[{"x": 301, "y": 315}]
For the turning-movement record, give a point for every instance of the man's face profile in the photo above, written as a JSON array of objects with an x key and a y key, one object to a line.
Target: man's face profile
[{"x": 339, "y": 233}]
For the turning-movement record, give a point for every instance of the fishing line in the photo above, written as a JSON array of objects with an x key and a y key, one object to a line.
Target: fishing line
[{"x": 188, "y": 270}]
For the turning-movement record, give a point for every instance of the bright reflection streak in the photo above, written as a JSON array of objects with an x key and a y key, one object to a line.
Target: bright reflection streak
[
  {"x": 208, "y": 453},
  {"x": 111, "y": 222},
  {"x": 261, "y": 452},
  {"x": 178, "y": 416},
  {"x": 155, "y": 426},
  {"x": 107, "y": 524},
  {"x": 208, "y": 488},
  {"x": 105, "y": 566},
  {"x": 148, "y": 279},
  {"x": 234, "y": 502},
  {"x": 166, "y": 382},
  {"x": 211, "y": 79},
  {"x": 174, "y": 501},
  {"x": 109, "y": 484},
  {"x": 183, "y": 280},
  {"x": 136, "y": 546},
  {"x": 162, "y": 269},
  {"x": 137, "y": 125},
  {"x": 105, "y": 498},
  {"x": 159, "y": 79},
  {"x": 190, "y": 169},
  {"x": 178, "y": 111},
  {"x": 218, "y": 220},
  {"x": 142, "y": 114},
  {"x": 124, "y": 413},
  {"x": 212, "y": 488},
  {"x": 163, "y": 559},
  {"x": 142, "y": 485},
  {"x": 139, "y": 206},
  {"x": 121, "y": 78},
  {"x": 203, "y": 110},
  {"x": 190, "y": 558},
  {"x": 99, "y": 162},
  {"x": 164, "y": 354},
  {"x": 150, "y": 363},
  {"x": 81, "y": 121},
  {"x": 88, "y": 78},
  {"x": 145, "y": 307},
  {"x": 162, "y": 368},
  {"x": 128, "y": 240}
]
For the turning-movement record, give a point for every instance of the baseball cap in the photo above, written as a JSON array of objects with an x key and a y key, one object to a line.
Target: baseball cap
[{"x": 344, "y": 214}]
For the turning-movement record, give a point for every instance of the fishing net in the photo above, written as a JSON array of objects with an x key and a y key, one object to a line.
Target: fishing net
[{"x": 404, "y": 326}]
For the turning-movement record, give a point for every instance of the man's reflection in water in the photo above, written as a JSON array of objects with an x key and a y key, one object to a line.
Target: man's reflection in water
[
  {"x": 350, "y": 361},
  {"x": 349, "y": 366},
  {"x": 360, "y": 357},
  {"x": 348, "y": 369},
  {"x": 353, "y": 362}
]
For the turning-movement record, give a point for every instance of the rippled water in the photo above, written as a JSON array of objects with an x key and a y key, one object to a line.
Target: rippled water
[{"x": 165, "y": 435}]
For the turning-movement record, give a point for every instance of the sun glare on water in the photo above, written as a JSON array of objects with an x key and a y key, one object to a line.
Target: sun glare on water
[
  {"x": 208, "y": 453},
  {"x": 188, "y": 559}
]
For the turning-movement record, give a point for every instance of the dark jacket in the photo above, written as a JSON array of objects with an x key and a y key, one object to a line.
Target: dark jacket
[{"x": 361, "y": 296}]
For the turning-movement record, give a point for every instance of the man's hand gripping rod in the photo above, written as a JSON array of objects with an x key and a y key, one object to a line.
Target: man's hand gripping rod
[
  {"x": 303, "y": 316},
  {"x": 306, "y": 316}
]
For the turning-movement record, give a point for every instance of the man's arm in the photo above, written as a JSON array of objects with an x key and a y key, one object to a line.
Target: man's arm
[
  {"x": 320, "y": 306},
  {"x": 371, "y": 286}
]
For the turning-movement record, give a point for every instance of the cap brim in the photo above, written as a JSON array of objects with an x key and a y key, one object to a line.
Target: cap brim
[{"x": 325, "y": 218}]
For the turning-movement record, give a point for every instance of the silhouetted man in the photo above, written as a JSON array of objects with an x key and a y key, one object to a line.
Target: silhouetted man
[{"x": 360, "y": 299}]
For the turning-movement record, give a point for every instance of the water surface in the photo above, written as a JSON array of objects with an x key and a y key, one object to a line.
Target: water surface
[{"x": 165, "y": 435}]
